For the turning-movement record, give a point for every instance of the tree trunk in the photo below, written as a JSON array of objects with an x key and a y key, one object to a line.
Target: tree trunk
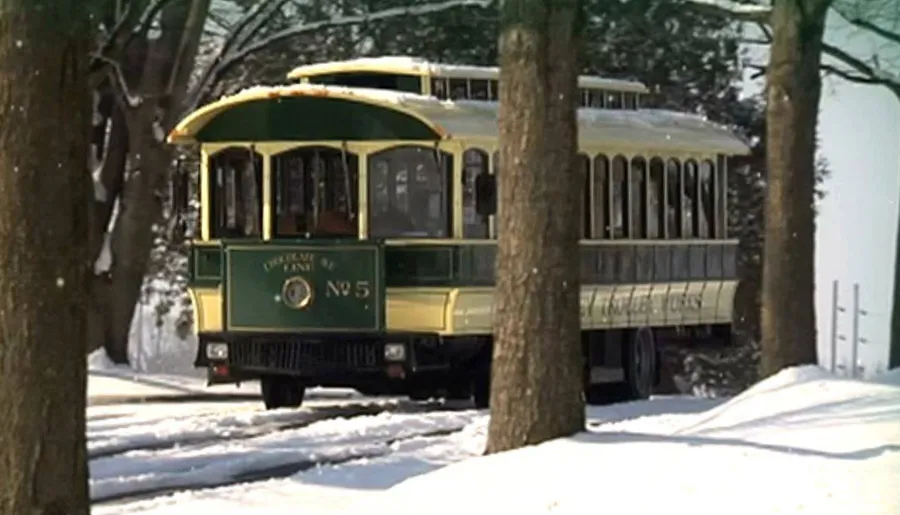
[
  {"x": 132, "y": 239},
  {"x": 137, "y": 166},
  {"x": 537, "y": 390},
  {"x": 894, "y": 344},
  {"x": 44, "y": 256},
  {"x": 794, "y": 86}
]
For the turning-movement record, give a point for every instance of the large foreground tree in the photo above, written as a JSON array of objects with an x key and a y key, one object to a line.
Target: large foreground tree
[
  {"x": 794, "y": 88},
  {"x": 44, "y": 255},
  {"x": 537, "y": 390}
]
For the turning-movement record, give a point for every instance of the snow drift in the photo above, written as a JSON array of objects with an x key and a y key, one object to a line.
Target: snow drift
[{"x": 800, "y": 441}]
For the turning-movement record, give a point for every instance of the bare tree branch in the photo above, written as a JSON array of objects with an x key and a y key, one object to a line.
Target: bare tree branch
[
  {"x": 759, "y": 70},
  {"x": 148, "y": 17},
  {"x": 224, "y": 62},
  {"x": 755, "y": 41},
  {"x": 849, "y": 76},
  {"x": 120, "y": 37},
  {"x": 875, "y": 29},
  {"x": 258, "y": 24},
  {"x": 238, "y": 29},
  {"x": 765, "y": 30},
  {"x": 117, "y": 29},
  {"x": 760, "y": 14},
  {"x": 189, "y": 40},
  {"x": 118, "y": 82},
  {"x": 869, "y": 26},
  {"x": 876, "y": 76}
]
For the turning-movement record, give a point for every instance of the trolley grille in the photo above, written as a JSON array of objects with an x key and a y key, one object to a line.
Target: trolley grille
[{"x": 300, "y": 356}]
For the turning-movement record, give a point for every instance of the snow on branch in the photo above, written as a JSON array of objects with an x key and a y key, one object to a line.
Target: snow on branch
[
  {"x": 228, "y": 59},
  {"x": 255, "y": 13},
  {"x": 147, "y": 18},
  {"x": 738, "y": 11},
  {"x": 119, "y": 81},
  {"x": 249, "y": 27}
]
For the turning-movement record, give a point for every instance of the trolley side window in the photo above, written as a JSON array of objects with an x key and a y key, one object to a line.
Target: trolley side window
[
  {"x": 722, "y": 196},
  {"x": 638, "y": 200},
  {"x": 621, "y": 215},
  {"x": 374, "y": 80},
  {"x": 475, "y": 164},
  {"x": 689, "y": 205},
  {"x": 409, "y": 193},
  {"x": 674, "y": 199},
  {"x": 583, "y": 164},
  {"x": 601, "y": 198},
  {"x": 706, "y": 199},
  {"x": 235, "y": 180},
  {"x": 495, "y": 167},
  {"x": 446, "y": 88},
  {"x": 656, "y": 197}
]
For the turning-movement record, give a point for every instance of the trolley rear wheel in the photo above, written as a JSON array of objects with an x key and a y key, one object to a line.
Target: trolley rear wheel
[{"x": 639, "y": 362}]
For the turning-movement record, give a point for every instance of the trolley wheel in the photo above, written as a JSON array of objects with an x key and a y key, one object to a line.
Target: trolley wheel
[
  {"x": 481, "y": 386},
  {"x": 640, "y": 365},
  {"x": 598, "y": 394},
  {"x": 459, "y": 391},
  {"x": 282, "y": 392}
]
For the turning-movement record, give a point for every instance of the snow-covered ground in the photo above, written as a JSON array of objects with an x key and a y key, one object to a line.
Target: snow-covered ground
[{"x": 802, "y": 441}]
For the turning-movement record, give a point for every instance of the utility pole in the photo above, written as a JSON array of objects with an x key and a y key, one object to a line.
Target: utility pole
[
  {"x": 835, "y": 308},
  {"x": 856, "y": 340}
]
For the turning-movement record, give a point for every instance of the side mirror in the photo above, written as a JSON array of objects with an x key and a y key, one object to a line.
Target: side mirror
[{"x": 486, "y": 194}]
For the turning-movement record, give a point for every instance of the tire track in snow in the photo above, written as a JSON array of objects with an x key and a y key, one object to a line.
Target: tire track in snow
[
  {"x": 338, "y": 455},
  {"x": 305, "y": 418}
]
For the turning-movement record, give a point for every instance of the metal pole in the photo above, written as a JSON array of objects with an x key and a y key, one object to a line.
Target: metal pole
[
  {"x": 834, "y": 325},
  {"x": 854, "y": 349}
]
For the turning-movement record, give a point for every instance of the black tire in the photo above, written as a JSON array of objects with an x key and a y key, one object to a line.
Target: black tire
[
  {"x": 598, "y": 394},
  {"x": 640, "y": 359},
  {"x": 481, "y": 386},
  {"x": 459, "y": 391},
  {"x": 282, "y": 392},
  {"x": 640, "y": 363}
]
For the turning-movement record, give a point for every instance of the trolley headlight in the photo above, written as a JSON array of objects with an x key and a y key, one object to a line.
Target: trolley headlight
[
  {"x": 394, "y": 352},
  {"x": 217, "y": 351}
]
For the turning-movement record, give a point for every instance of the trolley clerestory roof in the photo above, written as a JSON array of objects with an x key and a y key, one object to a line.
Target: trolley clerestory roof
[
  {"x": 309, "y": 112},
  {"x": 406, "y": 65}
]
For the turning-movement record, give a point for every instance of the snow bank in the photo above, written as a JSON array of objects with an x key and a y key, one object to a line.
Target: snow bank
[
  {"x": 801, "y": 441},
  {"x": 891, "y": 377},
  {"x": 99, "y": 361}
]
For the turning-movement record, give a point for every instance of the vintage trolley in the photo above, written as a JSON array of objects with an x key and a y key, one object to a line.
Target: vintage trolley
[{"x": 347, "y": 233}]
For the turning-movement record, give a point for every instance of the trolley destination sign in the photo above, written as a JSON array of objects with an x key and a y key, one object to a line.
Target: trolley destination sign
[{"x": 610, "y": 305}]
